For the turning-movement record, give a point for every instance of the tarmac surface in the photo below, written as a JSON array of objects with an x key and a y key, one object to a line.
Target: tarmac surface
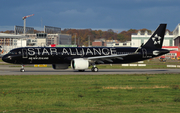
[{"x": 8, "y": 70}]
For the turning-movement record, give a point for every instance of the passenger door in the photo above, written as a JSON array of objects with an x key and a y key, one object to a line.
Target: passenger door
[
  {"x": 24, "y": 53},
  {"x": 144, "y": 53}
]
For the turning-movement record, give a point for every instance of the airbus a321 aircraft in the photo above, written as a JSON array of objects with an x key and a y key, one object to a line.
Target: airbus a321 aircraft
[{"x": 80, "y": 58}]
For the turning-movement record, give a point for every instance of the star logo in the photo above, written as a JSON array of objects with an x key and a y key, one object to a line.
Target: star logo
[{"x": 156, "y": 39}]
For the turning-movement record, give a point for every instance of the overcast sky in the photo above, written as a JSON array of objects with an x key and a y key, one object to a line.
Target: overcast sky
[{"x": 95, "y": 14}]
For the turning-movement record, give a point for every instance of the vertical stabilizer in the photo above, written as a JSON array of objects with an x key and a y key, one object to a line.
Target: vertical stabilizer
[{"x": 156, "y": 40}]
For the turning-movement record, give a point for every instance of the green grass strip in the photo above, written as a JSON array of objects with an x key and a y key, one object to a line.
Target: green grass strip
[{"x": 90, "y": 93}]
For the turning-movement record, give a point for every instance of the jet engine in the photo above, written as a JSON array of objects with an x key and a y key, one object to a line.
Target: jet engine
[
  {"x": 60, "y": 66},
  {"x": 79, "y": 64}
]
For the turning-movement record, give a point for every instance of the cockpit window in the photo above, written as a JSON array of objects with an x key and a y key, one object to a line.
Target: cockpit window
[
  {"x": 9, "y": 52},
  {"x": 12, "y": 52}
]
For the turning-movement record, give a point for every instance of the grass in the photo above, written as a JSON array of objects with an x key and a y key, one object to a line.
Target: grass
[{"x": 90, "y": 93}]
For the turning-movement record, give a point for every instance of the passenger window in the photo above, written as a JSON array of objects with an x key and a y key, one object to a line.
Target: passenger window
[{"x": 14, "y": 53}]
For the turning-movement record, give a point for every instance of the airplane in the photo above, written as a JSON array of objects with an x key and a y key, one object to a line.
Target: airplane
[{"x": 81, "y": 58}]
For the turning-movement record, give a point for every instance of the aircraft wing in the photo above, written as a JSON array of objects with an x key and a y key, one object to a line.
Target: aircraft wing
[{"x": 108, "y": 58}]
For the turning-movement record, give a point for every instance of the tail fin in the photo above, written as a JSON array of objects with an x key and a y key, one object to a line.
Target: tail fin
[{"x": 156, "y": 40}]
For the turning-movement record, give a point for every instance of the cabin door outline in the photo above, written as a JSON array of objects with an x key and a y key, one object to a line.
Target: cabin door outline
[
  {"x": 24, "y": 53},
  {"x": 144, "y": 53}
]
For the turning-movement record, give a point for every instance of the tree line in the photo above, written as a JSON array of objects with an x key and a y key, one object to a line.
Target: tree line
[{"x": 82, "y": 35}]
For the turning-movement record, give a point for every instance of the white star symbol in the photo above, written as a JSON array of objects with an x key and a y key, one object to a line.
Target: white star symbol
[{"x": 156, "y": 39}]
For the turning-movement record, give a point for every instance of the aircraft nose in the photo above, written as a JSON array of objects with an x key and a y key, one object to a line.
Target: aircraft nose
[{"x": 6, "y": 58}]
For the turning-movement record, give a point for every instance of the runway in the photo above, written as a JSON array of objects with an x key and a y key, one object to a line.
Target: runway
[{"x": 6, "y": 70}]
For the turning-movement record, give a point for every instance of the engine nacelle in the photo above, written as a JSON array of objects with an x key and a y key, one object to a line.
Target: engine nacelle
[
  {"x": 79, "y": 64},
  {"x": 60, "y": 66}
]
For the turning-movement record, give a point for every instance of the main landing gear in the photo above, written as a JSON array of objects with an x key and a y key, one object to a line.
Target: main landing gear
[
  {"x": 94, "y": 69},
  {"x": 22, "y": 68}
]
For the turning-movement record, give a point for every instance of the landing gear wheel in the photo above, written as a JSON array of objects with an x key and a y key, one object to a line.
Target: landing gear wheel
[
  {"x": 22, "y": 68},
  {"x": 94, "y": 69}
]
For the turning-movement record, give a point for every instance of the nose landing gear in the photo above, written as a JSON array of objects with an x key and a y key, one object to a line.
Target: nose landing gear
[{"x": 22, "y": 68}]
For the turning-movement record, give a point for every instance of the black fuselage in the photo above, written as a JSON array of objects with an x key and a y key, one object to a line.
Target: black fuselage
[{"x": 61, "y": 55}]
